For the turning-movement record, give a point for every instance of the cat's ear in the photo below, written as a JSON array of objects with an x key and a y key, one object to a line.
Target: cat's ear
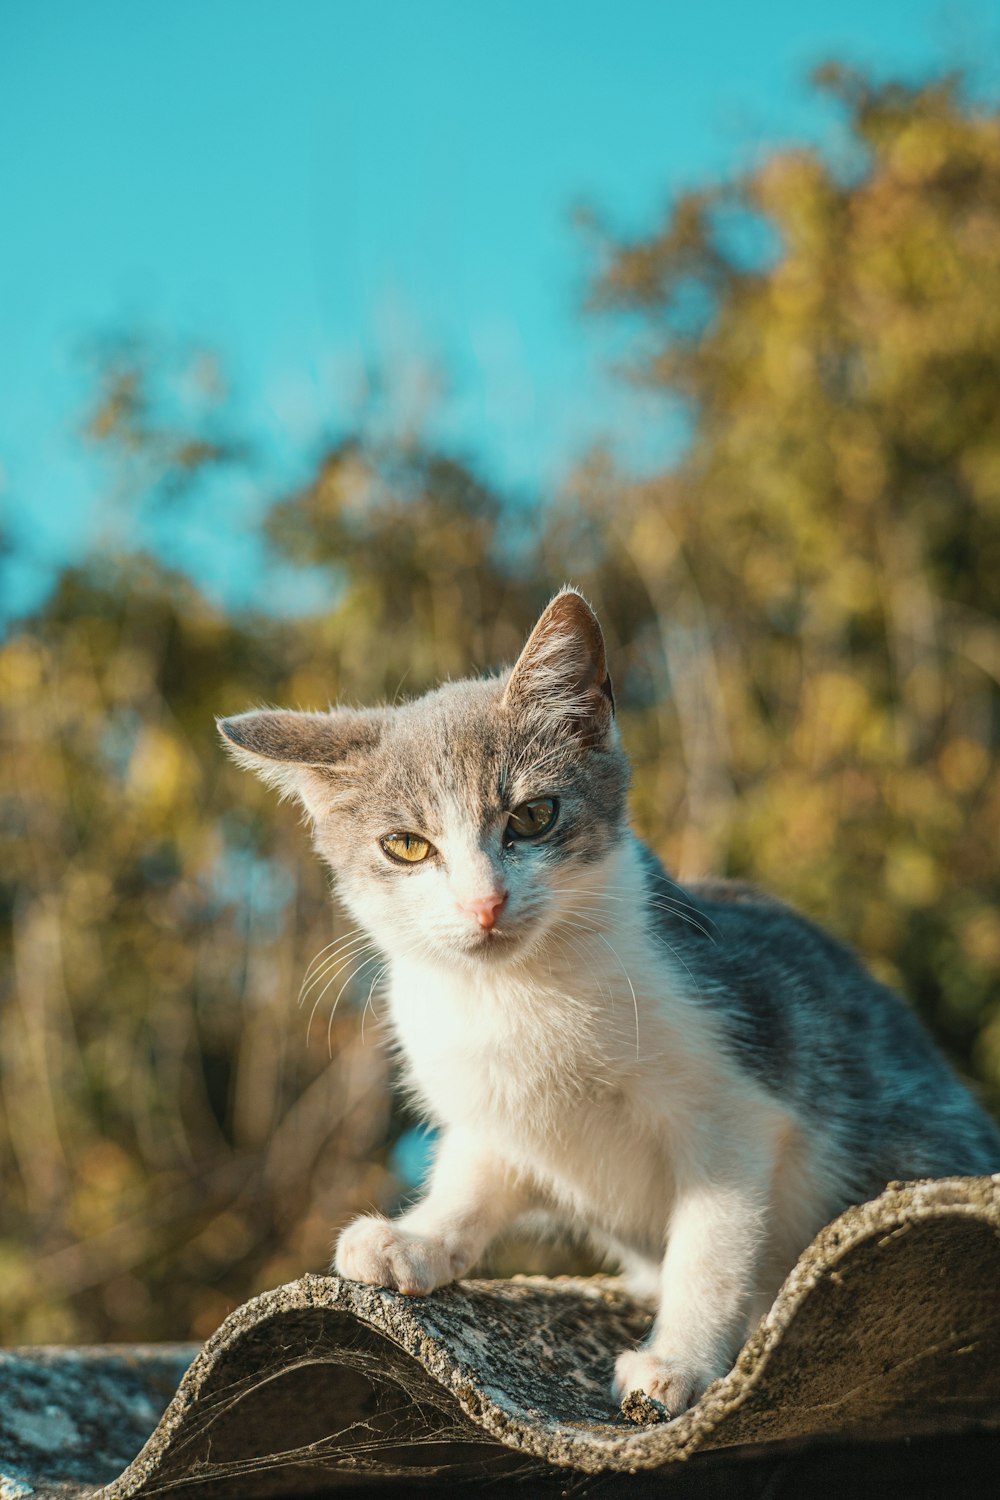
[
  {"x": 564, "y": 666},
  {"x": 306, "y": 755}
]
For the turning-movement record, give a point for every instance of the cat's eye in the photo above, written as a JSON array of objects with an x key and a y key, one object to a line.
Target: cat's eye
[
  {"x": 532, "y": 818},
  {"x": 407, "y": 848}
]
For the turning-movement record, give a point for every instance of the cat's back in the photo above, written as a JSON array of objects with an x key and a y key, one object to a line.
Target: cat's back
[{"x": 805, "y": 1017}]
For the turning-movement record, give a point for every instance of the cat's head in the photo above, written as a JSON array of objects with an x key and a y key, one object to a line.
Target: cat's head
[{"x": 464, "y": 824}]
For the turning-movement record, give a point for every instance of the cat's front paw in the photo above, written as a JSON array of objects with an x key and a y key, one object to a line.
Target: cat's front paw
[
  {"x": 381, "y": 1253},
  {"x": 674, "y": 1383}
]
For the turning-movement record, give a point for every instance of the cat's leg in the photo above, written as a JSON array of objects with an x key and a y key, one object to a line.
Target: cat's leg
[
  {"x": 473, "y": 1195},
  {"x": 708, "y": 1280},
  {"x": 807, "y": 1195}
]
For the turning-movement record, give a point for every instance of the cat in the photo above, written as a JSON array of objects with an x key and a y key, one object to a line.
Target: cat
[{"x": 698, "y": 1077}]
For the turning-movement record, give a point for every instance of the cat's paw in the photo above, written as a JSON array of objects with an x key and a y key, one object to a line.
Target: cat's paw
[
  {"x": 675, "y": 1384},
  {"x": 381, "y": 1253}
]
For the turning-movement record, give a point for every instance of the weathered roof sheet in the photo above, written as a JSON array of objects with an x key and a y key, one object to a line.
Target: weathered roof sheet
[{"x": 888, "y": 1326}]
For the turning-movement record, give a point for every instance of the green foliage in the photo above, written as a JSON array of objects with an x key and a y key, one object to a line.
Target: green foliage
[
  {"x": 162, "y": 1112},
  {"x": 177, "y": 1136},
  {"x": 830, "y": 545},
  {"x": 802, "y": 615}
]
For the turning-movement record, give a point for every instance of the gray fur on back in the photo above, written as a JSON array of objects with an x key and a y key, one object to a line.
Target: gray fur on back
[{"x": 804, "y": 1017}]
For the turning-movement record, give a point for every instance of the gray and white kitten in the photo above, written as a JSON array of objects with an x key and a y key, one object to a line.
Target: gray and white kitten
[{"x": 697, "y": 1077}]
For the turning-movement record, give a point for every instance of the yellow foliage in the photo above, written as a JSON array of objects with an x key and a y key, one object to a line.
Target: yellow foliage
[
  {"x": 964, "y": 765},
  {"x": 155, "y": 770},
  {"x": 912, "y": 878},
  {"x": 980, "y": 935}
]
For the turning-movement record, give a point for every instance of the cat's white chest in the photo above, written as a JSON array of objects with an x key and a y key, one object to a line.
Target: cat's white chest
[
  {"x": 539, "y": 1086},
  {"x": 465, "y": 1049}
]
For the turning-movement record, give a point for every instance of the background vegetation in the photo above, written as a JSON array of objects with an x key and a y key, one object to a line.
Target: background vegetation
[{"x": 803, "y": 621}]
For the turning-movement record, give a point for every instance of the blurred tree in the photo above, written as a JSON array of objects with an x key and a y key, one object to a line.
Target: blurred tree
[
  {"x": 423, "y": 558},
  {"x": 826, "y": 558},
  {"x": 162, "y": 413},
  {"x": 171, "y": 1142}
]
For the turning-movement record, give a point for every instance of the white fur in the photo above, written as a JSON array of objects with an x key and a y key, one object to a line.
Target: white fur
[{"x": 579, "y": 1075}]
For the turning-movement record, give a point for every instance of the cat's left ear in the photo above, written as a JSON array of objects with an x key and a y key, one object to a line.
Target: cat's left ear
[
  {"x": 307, "y": 755},
  {"x": 564, "y": 667}
]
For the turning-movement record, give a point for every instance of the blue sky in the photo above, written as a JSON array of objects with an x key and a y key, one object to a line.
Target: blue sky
[{"x": 311, "y": 185}]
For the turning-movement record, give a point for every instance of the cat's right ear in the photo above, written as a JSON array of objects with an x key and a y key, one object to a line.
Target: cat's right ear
[{"x": 304, "y": 755}]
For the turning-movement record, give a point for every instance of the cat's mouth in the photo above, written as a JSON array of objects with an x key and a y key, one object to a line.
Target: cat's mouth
[
  {"x": 497, "y": 942},
  {"x": 513, "y": 937}
]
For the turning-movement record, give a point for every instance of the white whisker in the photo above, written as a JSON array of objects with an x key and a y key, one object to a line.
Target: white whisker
[
  {"x": 635, "y": 1002},
  {"x": 329, "y": 1028},
  {"x": 368, "y": 999},
  {"x": 331, "y": 981},
  {"x": 589, "y": 933},
  {"x": 336, "y": 960},
  {"x": 670, "y": 904}
]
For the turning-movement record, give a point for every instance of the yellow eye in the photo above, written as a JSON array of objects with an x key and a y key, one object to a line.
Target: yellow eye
[
  {"x": 532, "y": 818},
  {"x": 408, "y": 848}
]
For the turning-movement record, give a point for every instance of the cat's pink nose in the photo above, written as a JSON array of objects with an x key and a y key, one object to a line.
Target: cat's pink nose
[{"x": 485, "y": 909}]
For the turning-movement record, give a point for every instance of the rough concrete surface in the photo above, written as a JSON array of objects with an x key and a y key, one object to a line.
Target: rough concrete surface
[{"x": 887, "y": 1328}]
